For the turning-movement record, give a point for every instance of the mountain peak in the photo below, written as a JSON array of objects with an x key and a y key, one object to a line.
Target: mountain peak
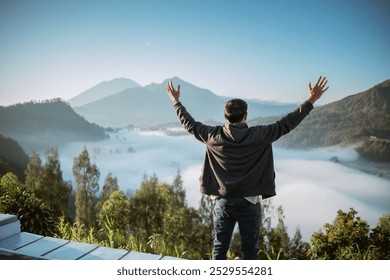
[
  {"x": 175, "y": 80},
  {"x": 101, "y": 90}
]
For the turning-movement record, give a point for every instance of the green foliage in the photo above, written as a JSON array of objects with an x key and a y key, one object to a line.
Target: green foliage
[
  {"x": 155, "y": 219},
  {"x": 165, "y": 216},
  {"x": 87, "y": 178},
  {"x": 349, "y": 238},
  {"x": 275, "y": 243},
  {"x": 380, "y": 239},
  {"x": 12, "y": 157},
  {"x": 110, "y": 185},
  {"x": 76, "y": 232},
  {"x": 116, "y": 209},
  {"x": 47, "y": 182},
  {"x": 34, "y": 171},
  {"x": 34, "y": 215}
]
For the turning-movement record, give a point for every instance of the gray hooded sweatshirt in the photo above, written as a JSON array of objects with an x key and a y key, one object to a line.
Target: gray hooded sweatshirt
[{"x": 239, "y": 160}]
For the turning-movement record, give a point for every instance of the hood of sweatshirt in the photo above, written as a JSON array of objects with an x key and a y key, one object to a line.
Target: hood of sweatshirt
[{"x": 235, "y": 132}]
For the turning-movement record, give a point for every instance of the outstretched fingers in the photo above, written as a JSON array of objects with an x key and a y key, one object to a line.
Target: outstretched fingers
[
  {"x": 169, "y": 86},
  {"x": 321, "y": 83}
]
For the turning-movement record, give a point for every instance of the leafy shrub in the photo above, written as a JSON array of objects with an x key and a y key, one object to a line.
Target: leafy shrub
[{"x": 34, "y": 215}]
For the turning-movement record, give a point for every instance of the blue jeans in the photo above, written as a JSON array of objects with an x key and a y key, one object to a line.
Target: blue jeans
[{"x": 228, "y": 211}]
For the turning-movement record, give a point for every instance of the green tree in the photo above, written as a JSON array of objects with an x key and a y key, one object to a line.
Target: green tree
[
  {"x": 87, "y": 178},
  {"x": 298, "y": 248},
  {"x": 144, "y": 203},
  {"x": 206, "y": 207},
  {"x": 275, "y": 243},
  {"x": 178, "y": 189},
  {"x": 56, "y": 191},
  {"x": 346, "y": 238},
  {"x": 380, "y": 239},
  {"x": 278, "y": 239},
  {"x": 116, "y": 209},
  {"x": 159, "y": 213},
  {"x": 34, "y": 172},
  {"x": 47, "y": 182},
  {"x": 110, "y": 185}
]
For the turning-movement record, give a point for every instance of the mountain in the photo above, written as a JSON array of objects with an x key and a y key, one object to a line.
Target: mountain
[
  {"x": 351, "y": 120},
  {"x": 12, "y": 157},
  {"x": 102, "y": 90},
  {"x": 42, "y": 125},
  {"x": 150, "y": 105}
]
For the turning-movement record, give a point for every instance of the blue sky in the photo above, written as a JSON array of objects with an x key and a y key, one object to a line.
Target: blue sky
[{"x": 248, "y": 49}]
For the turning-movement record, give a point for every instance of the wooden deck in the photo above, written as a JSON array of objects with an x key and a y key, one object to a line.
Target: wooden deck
[{"x": 15, "y": 244}]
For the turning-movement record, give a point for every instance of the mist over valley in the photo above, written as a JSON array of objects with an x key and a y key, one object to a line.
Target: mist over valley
[
  {"x": 310, "y": 187},
  {"x": 313, "y": 163}
]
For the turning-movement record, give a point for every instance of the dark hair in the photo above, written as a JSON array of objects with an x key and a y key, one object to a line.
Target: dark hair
[{"x": 235, "y": 110}]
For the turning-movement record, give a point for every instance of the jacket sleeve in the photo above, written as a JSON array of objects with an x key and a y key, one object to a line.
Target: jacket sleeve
[
  {"x": 199, "y": 130},
  {"x": 273, "y": 132}
]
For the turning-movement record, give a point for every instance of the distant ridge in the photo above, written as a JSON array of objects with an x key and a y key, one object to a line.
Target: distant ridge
[
  {"x": 48, "y": 124},
  {"x": 102, "y": 90},
  {"x": 150, "y": 105},
  {"x": 350, "y": 120}
]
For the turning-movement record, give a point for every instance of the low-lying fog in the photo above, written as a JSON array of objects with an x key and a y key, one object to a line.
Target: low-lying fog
[{"x": 310, "y": 187}]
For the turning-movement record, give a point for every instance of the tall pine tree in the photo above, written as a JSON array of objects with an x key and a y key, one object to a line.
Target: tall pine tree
[
  {"x": 87, "y": 182},
  {"x": 47, "y": 183},
  {"x": 34, "y": 172},
  {"x": 110, "y": 185}
]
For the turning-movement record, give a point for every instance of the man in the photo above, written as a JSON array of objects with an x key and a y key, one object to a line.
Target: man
[{"x": 238, "y": 168}]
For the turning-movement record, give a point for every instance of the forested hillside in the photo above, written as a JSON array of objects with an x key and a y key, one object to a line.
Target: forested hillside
[
  {"x": 352, "y": 120},
  {"x": 46, "y": 124},
  {"x": 12, "y": 157}
]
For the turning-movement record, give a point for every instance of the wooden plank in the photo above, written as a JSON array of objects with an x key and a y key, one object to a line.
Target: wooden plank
[
  {"x": 71, "y": 251},
  {"x": 41, "y": 246},
  {"x": 105, "y": 253},
  {"x": 140, "y": 256},
  {"x": 19, "y": 240}
]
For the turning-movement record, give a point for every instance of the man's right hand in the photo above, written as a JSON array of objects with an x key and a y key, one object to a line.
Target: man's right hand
[
  {"x": 318, "y": 89},
  {"x": 173, "y": 94}
]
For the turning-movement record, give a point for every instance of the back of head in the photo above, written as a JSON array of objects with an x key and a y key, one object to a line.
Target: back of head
[{"x": 235, "y": 110}]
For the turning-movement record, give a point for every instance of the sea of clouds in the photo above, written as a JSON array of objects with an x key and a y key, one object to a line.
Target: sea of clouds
[{"x": 310, "y": 187}]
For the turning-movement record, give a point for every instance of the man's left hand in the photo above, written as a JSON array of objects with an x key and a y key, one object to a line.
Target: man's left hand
[{"x": 173, "y": 94}]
